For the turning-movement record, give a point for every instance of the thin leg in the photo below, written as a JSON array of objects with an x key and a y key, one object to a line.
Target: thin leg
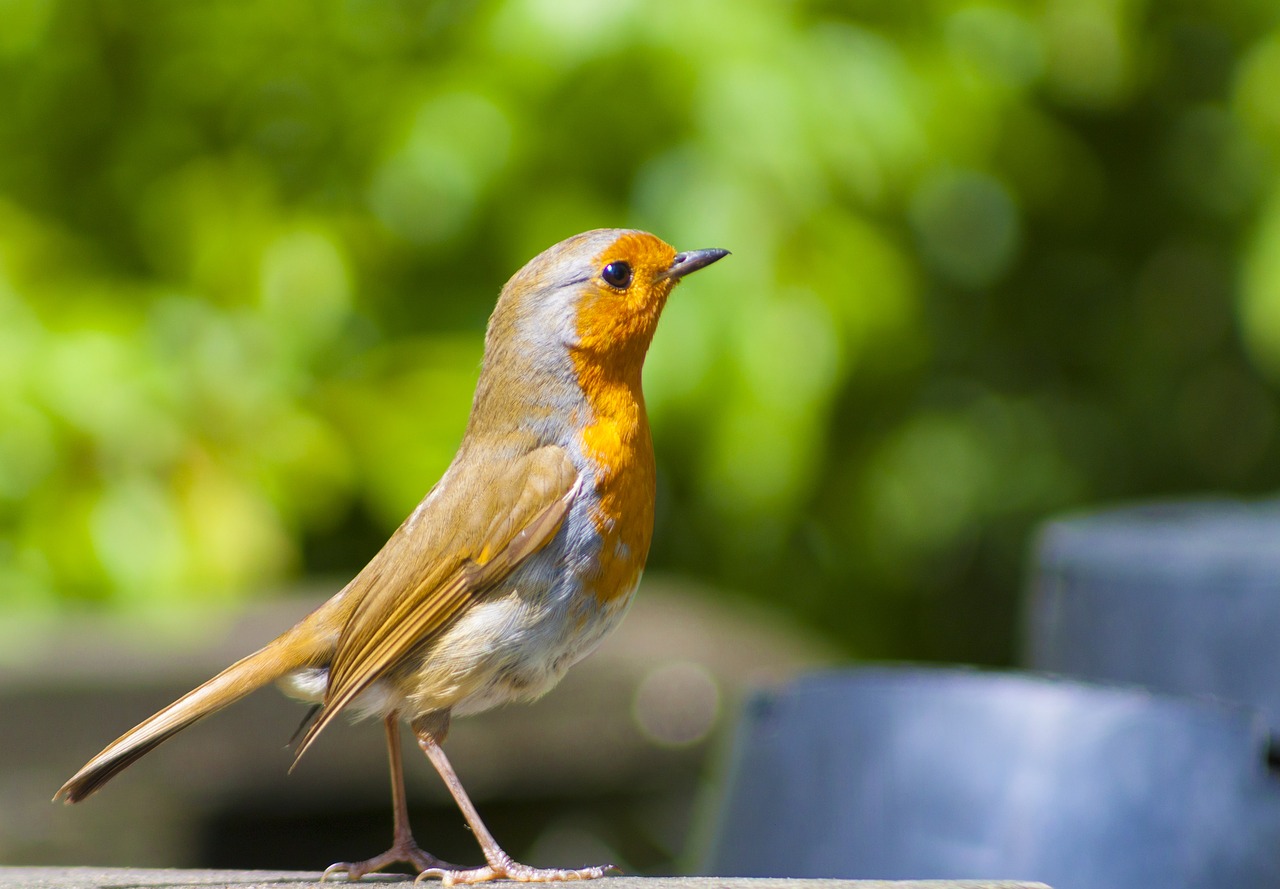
[
  {"x": 404, "y": 848},
  {"x": 500, "y": 864}
]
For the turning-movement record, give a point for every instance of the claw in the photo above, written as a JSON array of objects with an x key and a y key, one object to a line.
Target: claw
[{"x": 338, "y": 867}]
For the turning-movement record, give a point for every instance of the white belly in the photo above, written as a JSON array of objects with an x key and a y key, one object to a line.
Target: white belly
[{"x": 499, "y": 651}]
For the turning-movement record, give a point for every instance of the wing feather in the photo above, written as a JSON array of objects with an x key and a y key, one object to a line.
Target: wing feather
[{"x": 467, "y": 539}]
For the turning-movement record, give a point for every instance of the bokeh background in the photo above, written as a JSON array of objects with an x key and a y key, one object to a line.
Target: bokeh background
[{"x": 991, "y": 261}]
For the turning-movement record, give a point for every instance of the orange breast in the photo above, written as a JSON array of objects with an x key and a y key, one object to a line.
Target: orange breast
[
  {"x": 614, "y": 331},
  {"x": 618, "y": 444}
]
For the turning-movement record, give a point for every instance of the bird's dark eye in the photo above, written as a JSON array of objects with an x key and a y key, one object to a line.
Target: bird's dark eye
[{"x": 617, "y": 274}]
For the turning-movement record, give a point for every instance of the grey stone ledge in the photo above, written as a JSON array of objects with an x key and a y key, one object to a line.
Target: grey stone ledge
[{"x": 128, "y": 878}]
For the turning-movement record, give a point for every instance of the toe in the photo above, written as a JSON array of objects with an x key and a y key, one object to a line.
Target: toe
[{"x": 512, "y": 870}]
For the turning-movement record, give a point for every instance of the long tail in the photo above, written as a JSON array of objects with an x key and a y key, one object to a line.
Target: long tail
[{"x": 310, "y": 643}]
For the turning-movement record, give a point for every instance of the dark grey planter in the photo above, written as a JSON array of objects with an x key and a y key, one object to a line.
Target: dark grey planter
[
  {"x": 896, "y": 773},
  {"x": 1181, "y": 597}
]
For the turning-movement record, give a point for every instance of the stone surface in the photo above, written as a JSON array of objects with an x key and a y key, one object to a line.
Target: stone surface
[{"x": 107, "y": 878}]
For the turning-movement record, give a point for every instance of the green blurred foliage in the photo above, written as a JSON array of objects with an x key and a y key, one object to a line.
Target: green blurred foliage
[{"x": 991, "y": 260}]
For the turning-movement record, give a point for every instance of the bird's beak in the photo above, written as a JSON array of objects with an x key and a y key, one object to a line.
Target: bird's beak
[{"x": 691, "y": 261}]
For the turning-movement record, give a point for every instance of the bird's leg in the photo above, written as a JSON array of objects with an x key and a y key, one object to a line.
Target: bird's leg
[
  {"x": 501, "y": 866},
  {"x": 404, "y": 848}
]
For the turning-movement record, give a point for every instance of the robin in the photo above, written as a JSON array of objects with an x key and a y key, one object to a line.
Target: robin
[{"x": 514, "y": 566}]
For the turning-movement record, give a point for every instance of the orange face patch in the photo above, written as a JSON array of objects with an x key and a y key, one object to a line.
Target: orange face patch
[{"x": 616, "y": 323}]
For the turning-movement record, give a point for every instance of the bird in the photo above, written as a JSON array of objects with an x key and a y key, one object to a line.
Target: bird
[{"x": 519, "y": 561}]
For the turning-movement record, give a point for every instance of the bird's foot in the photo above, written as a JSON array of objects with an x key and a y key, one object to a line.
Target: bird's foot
[
  {"x": 506, "y": 868},
  {"x": 401, "y": 853}
]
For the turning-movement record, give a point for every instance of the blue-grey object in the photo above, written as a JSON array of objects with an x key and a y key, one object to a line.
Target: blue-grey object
[
  {"x": 898, "y": 773},
  {"x": 1182, "y": 597}
]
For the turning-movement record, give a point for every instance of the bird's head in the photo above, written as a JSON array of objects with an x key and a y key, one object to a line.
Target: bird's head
[
  {"x": 595, "y": 297},
  {"x": 576, "y": 322}
]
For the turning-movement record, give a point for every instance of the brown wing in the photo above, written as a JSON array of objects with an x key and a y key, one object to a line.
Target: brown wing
[{"x": 473, "y": 530}]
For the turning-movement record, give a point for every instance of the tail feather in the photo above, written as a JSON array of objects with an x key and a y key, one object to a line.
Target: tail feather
[{"x": 302, "y": 646}]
